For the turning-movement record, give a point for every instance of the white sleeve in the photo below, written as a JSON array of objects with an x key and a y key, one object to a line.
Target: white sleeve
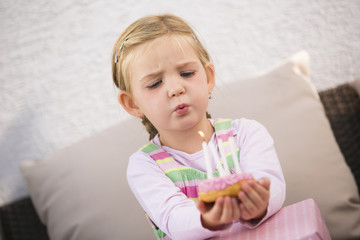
[
  {"x": 166, "y": 205},
  {"x": 258, "y": 157}
]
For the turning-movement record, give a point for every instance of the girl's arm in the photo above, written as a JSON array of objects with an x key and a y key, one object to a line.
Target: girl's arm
[
  {"x": 170, "y": 209},
  {"x": 258, "y": 157}
]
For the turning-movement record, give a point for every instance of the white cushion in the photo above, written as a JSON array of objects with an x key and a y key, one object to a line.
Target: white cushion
[
  {"x": 286, "y": 102},
  {"x": 81, "y": 192}
]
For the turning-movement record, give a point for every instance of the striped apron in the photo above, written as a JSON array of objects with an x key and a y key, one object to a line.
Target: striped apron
[{"x": 185, "y": 178}]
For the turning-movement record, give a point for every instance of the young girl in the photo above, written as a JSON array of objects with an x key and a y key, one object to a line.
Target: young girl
[{"x": 165, "y": 78}]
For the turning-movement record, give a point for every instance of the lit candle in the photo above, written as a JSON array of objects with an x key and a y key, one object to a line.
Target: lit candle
[
  {"x": 206, "y": 156},
  {"x": 223, "y": 157},
  {"x": 234, "y": 155}
]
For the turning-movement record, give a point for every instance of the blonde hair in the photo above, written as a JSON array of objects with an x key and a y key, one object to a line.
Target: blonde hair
[{"x": 145, "y": 30}]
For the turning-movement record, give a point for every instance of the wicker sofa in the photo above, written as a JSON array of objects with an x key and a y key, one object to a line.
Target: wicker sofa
[{"x": 342, "y": 105}]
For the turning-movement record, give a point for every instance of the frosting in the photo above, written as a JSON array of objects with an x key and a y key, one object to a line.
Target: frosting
[{"x": 221, "y": 183}]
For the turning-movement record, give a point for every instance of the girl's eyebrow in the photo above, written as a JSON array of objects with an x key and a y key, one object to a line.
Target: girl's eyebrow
[
  {"x": 186, "y": 64},
  {"x": 157, "y": 73},
  {"x": 151, "y": 75}
]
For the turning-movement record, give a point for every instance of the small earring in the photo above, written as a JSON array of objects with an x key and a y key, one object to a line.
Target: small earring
[{"x": 209, "y": 94}]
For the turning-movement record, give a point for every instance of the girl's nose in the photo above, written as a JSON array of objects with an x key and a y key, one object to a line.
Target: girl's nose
[{"x": 178, "y": 90}]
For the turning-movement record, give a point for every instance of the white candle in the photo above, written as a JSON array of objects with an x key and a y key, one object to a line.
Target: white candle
[
  {"x": 223, "y": 157},
  {"x": 217, "y": 160},
  {"x": 234, "y": 155},
  {"x": 206, "y": 156}
]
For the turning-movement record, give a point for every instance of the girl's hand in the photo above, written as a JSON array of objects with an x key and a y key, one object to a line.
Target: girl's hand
[
  {"x": 254, "y": 199},
  {"x": 219, "y": 215}
]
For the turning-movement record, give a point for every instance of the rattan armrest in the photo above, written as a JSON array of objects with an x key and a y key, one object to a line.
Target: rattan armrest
[
  {"x": 342, "y": 107},
  {"x": 20, "y": 222}
]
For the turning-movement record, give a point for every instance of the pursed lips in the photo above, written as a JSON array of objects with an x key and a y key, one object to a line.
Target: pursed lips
[{"x": 181, "y": 108}]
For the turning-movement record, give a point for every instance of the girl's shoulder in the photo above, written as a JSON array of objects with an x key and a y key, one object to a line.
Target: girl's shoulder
[
  {"x": 141, "y": 164},
  {"x": 140, "y": 158},
  {"x": 236, "y": 122},
  {"x": 245, "y": 124},
  {"x": 248, "y": 128},
  {"x": 141, "y": 154}
]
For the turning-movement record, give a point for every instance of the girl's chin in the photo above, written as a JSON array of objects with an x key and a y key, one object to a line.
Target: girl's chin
[
  {"x": 182, "y": 122},
  {"x": 190, "y": 122}
]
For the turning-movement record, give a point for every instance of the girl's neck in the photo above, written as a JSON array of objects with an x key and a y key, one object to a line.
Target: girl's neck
[{"x": 188, "y": 141}]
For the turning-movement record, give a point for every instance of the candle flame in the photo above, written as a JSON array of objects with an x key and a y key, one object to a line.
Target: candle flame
[{"x": 202, "y": 135}]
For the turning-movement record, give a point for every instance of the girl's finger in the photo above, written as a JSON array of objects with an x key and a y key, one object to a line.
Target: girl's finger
[
  {"x": 244, "y": 212},
  {"x": 216, "y": 211},
  {"x": 201, "y": 206},
  {"x": 226, "y": 215},
  {"x": 247, "y": 202},
  {"x": 262, "y": 188},
  {"x": 236, "y": 209},
  {"x": 265, "y": 182},
  {"x": 251, "y": 191}
]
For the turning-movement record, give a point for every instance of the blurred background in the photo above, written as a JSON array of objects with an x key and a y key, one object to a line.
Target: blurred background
[{"x": 55, "y": 61}]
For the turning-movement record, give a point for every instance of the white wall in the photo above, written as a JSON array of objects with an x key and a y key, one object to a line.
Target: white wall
[{"x": 55, "y": 75}]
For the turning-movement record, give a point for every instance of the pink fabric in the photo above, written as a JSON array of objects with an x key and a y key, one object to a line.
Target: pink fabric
[
  {"x": 159, "y": 155},
  {"x": 223, "y": 137},
  {"x": 191, "y": 191},
  {"x": 172, "y": 211},
  {"x": 300, "y": 221}
]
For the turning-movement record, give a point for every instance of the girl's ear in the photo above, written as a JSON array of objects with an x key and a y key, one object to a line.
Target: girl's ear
[
  {"x": 128, "y": 103},
  {"x": 210, "y": 74}
]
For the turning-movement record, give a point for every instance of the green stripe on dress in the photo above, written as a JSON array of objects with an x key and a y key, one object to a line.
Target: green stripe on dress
[
  {"x": 223, "y": 125},
  {"x": 185, "y": 174},
  {"x": 158, "y": 233},
  {"x": 229, "y": 159},
  {"x": 148, "y": 148}
]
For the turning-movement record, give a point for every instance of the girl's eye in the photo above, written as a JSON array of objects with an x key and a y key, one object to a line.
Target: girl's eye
[
  {"x": 155, "y": 84},
  {"x": 187, "y": 74}
]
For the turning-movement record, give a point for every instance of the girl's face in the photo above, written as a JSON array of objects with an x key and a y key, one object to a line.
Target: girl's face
[{"x": 169, "y": 85}]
